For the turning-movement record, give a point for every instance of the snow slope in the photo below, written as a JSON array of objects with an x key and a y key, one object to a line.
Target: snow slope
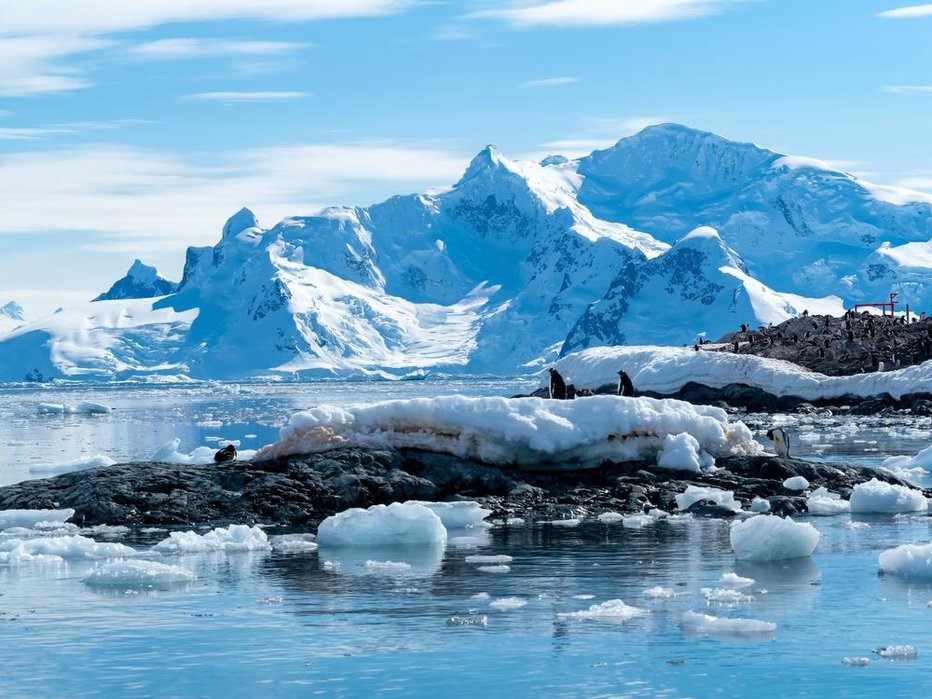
[
  {"x": 11, "y": 317},
  {"x": 512, "y": 265},
  {"x": 667, "y": 369}
]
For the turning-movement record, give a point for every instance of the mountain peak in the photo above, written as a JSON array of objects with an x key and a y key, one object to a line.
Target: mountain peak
[
  {"x": 242, "y": 220},
  {"x": 142, "y": 281},
  {"x": 489, "y": 159},
  {"x": 13, "y": 311}
]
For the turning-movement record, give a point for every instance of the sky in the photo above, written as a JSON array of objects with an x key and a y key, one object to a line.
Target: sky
[{"x": 134, "y": 129}]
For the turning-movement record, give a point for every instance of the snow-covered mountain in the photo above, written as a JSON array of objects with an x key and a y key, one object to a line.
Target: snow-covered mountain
[
  {"x": 11, "y": 316},
  {"x": 513, "y": 263},
  {"x": 140, "y": 282}
]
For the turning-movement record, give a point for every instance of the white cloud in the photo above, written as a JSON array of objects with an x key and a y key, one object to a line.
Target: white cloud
[
  {"x": 37, "y": 36},
  {"x": 909, "y": 89},
  {"x": 247, "y": 96},
  {"x": 550, "y": 82},
  {"x": 600, "y": 12},
  {"x": 167, "y": 49},
  {"x": 24, "y": 134},
  {"x": 908, "y": 12},
  {"x": 141, "y": 199}
]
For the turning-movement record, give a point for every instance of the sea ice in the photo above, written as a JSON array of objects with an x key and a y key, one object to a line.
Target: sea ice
[
  {"x": 908, "y": 561},
  {"x": 66, "y": 547},
  {"x": 796, "y": 483},
  {"x": 505, "y": 603},
  {"x": 897, "y": 652},
  {"x": 85, "y": 408},
  {"x": 695, "y": 622},
  {"x": 398, "y": 523},
  {"x": 293, "y": 543},
  {"x": 494, "y": 569},
  {"x": 457, "y": 515},
  {"x": 572, "y": 522},
  {"x": 80, "y": 464},
  {"x": 735, "y": 580},
  {"x": 387, "y": 566},
  {"x": 236, "y": 537},
  {"x": 695, "y": 493},
  {"x": 475, "y": 620},
  {"x": 612, "y": 610},
  {"x": 770, "y": 538},
  {"x": 715, "y": 595},
  {"x": 878, "y": 497},
  {"x": 29, "y": 518},
  {"x": 494, "y": 560},
  {"x": 823, "y": 502},
  {"x": 659, "y": 592},
  {"x": 139, "y": 574},
  {"x": 523, "y": 432}
]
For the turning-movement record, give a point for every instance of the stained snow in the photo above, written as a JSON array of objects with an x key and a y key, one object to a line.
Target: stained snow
[
  {"x": 770, "y": 538},
  {"x": 525, "y": 432}
]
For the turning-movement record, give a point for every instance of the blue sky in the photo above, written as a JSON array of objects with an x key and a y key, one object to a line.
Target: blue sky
[{"x": 132, "y": 129}]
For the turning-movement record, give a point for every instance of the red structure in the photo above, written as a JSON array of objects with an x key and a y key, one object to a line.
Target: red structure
[{"x": 891, "y": 304}]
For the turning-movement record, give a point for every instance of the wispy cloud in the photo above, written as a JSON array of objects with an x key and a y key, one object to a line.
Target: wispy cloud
[
  {"x": 40, "y": 40},
  {"x": 248, "y": 96},
  {"x": 138, "y": 197},
  {"x": 23, "y": 133},
  {"x": 550, "y": 82},
  {"x": 908, "y": 12},
  {"x": 909, "y": 89},
  {"x": 594, "y": 133},
  {"x": 600, "y": 12},
  {"x": 169, "y": 49}
]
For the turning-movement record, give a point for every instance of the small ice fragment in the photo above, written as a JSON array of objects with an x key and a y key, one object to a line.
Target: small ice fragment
[
  {"x": 855, "y": 661},
  {"x": 885, "y": 498},
  {"x": 473, "y": 620},
  {"x": 139, "y": 574},
  {"x": 612, "y": 610},
  {"x": 726, "y": 597},
  {"x": 857, "y": 526},
  {"x": 387, "y": 566},
  {"x": 796, "y": 483},
  {"x": 659, "y": 592},
  {"x": 897, "y": 652},
  {"x": 381, "y": 525},
  {"x": 822, "y": 501},
  {"x": 481, "y": 596},
  {"x": 506, "y": 603},
  {"x": 610, "y": 517},
  {"x": 494, "y": 569},
  {"x": 564, "y": 522},
  {"x": 707, "y": 624},
  {"x": 760, "y": 505},
  {"x": 583, "y": 597},
  {"x": 495, "y": 560},
  {"x": 695, "y": 493},
  {"x": 735, "y": 580},
  {"x": 637, "y": 521},
  {"x": 768, "y": 538}
]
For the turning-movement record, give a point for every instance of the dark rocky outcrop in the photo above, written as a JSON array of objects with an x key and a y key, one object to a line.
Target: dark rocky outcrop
[{"x": 302, "y": 491}]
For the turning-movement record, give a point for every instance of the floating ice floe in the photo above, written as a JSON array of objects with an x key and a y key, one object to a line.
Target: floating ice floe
[
  {"x": 637, "y": 521},
  {"x": 387, "y": 566},
  {"x": 489, "y": 559},
  {"x": 823, "y": 502},
  {"x": 85, "y": 408},
  {"x": 505, "y": 603},
  {"x": 769, "y": 538},
  {"x": 856, "y": 661},
  {"x": 735, "y": 580},
  {"x": 499, "y": 569},
  {"x": 908, "y": 561},
  {"x": 760, "y": 505},
  {"x": 886, "y": 498},
  {"x": 715, "y": 595},
  {"x": 518, "y": 431},
  {"x": 659, "y": 592},
  {"x": 399, "y": 523},
  {"x": 612, "y": 610},
  {"x": 910, "y": 467},
  {"x": 80, "y": 464},
  {"x": 293, "y": 543},
  {"x": 695, "y": 493},
  {"x": 696, "y": 622},
  {"x": 30, "y": 518},
  {"x": 681, "y": 452},
  {"x": 236, "y": 537},
  {"x": 903, "y": 652},
  {"x": 572, "y": 522},
  {"x": 610, "y": 517},
  {"x": 75, "y": 546},
  {"x": 136, "y": 574},
  {"x": 457, "y": 515},
  {"x": 472, "y": 620},
  {"x": 796, "y": 483}
]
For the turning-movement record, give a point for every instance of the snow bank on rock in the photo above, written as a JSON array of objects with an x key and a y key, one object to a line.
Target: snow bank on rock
[
  {"x": 695, "y": 493},
  {"x": 796, "y": 483},
  {"x": 30, "y": 518},
  {"x": 80, "y": 464},
  {"x": 236, "y": 537},
  {"x": 668, "y": 369},
  {"x": 695, "y": 622},
  {"x": 168, "y": 453},
  {"x": 908, "y": 561},
  {"x": 681, "y": 452},
  {"x": 612, "y": 610},
  {"x": 823, "y": 502},
  {"x": 134, "y": 574},
  {"x": 457, "y": 515},
  {"x": 521, "y": 431},
  {"x": 770, "y": 538},
  {"x": 886, "y": 498},
  {"x": 383, "y": 525}
]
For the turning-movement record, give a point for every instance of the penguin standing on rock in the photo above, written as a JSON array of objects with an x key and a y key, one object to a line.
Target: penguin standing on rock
[
  {"x": 625, "y": 386},
  {"x": 781, "y": 441},
  {"x": 228, "y": 453},
  {"x": 557, "y": 385}
]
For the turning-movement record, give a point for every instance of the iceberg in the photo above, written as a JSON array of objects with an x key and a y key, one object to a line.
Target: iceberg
[
  {"x": 769, "y": 538},
  {"x": 383, "y": 525},
  {"x": 886, "y": 498}
]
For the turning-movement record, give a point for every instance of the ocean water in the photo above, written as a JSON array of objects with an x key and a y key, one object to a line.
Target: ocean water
[{"x": 324, "y": 623}]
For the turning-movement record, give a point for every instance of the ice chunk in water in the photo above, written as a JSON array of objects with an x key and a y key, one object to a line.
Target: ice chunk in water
[
  {"x": 760, "y": 505},
  {"x": 475, "y": 620},
  {"x": 886, "y": 498},
  {"x": 855, "y": 661},
  {"x": 770, "y": 538},
  {"x": 293, "y": 543},
  {"x": 505, "y": 603},
  {"x": 139, "y": 574},
  {"x": 457, "y": 515},
  {"x": 236, "y": 537},
  {"x": 612, "y": 610},
  {"x": 65, "y": 547},
  {"x": 495, "y": 560},
  {"x": 696, "y": 622},
  {"x": 494, "y": 569},
  {"x": 29, "y": 518},
  {"x": 398, "y": 523},
  {"x": 611, "y": 517},
  {"x": 908, "y": 561},
  {"x": 714, "y": 595},
  {"x": 823, "y": 502},
  {"x": 637, "y": 521},
  {"x": 659, "y": 592},
  {"x": 735, "y": 580},
  {"x": 897, "y": 652},
  {"x": 387, "y": 566}
]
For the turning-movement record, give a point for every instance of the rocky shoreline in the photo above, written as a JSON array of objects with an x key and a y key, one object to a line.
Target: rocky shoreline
[{"x": 302, "y": 491}]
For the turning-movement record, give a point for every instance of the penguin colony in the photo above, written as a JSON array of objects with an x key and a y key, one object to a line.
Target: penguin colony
[{"x": 560, "y": 390}]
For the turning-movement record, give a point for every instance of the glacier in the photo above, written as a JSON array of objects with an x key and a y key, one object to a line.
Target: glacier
[{"x": 670, "y": 234}]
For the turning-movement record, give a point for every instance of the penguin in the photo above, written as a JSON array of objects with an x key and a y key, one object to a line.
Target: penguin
[
  {"x": 557, "y": 385},
  {"x": 781, "y": 441},
  {"x": 228, "y": 453},
  {"x": 584, "y": 393},
  {"x": 625, "y": 387}
]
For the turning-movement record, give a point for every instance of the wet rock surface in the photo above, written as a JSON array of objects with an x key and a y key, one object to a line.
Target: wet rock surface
[{"x": 302, "y": 491}]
